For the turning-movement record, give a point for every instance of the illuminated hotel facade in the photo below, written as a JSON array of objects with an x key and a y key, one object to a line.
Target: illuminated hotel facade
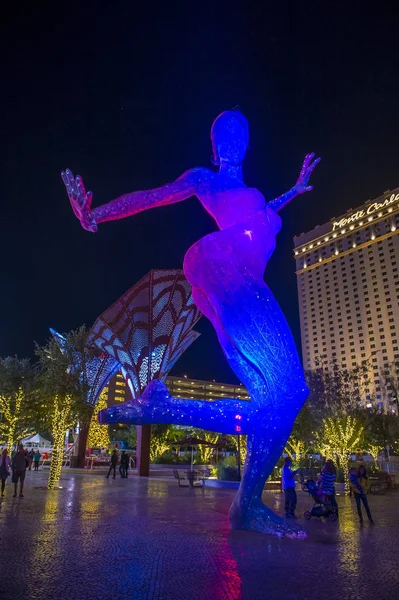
[{"x": 348, "y": 291}]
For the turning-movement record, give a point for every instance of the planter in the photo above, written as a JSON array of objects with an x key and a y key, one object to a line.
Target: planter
[
  {"x": 340, "y": 488},
  {"x": 272, "y": 485},
  {"x": 219, "y": 483}
]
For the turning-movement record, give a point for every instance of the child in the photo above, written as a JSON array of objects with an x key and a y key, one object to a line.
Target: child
[{"x": 353, "y": 480}]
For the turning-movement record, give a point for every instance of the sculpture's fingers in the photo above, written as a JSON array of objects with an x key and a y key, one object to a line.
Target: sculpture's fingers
[
  {"x": 315, "y": 163},
  {"x": 64, "y": 178},
  {"x": 70, "y": 177},
  {"x": 305, "y": 165},
  {"x": 308, "y": 160},
  {"x": 80, "y": 186},
  {"x": 71, "y": 184}
]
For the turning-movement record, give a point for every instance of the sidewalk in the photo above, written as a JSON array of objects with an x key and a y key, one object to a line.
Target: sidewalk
[{"x": 136, "y": 538}]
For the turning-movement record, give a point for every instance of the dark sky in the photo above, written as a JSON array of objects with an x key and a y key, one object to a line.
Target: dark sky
[{"x": 125, "y": 92}]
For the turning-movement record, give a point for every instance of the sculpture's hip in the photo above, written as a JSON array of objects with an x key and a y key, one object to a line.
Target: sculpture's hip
[{"x": 241, "y": 250}]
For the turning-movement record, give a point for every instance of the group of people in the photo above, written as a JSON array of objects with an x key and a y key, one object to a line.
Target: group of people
[
  {"x": 21, "y": 460},
  {"x": 33, "y": 459},
  {"x": 358, "y": 481},
  {"x": 123, "y": 464}
]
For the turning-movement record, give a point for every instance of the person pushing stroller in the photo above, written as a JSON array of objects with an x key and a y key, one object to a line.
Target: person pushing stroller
[
  {"x": 325, "y": 483},
  {"x": 323, "y": 494}
]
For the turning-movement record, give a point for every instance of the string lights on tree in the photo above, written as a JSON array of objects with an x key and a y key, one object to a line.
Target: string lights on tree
[
  {"x": 339, "y": 438},
  {"x": 60, "y": 423},
  {"x": 98, "y": 434},
  {"x": 296, "y": 449},
  {"x": 11, "y": 407}
]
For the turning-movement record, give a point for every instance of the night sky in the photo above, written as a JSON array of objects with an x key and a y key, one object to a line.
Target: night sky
[{"x": 124, "y": 93}]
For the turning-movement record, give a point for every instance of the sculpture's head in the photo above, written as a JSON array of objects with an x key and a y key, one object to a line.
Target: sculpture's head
[{"x": 230, "y": 137}]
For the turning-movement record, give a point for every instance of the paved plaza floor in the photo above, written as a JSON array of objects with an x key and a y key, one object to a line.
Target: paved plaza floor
[{"x": 100, "y": 538}]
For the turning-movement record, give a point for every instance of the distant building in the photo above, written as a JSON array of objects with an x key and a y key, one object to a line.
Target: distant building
[
  {"x": 348, "y": 290},
  {"x": 180, "y": 387}
]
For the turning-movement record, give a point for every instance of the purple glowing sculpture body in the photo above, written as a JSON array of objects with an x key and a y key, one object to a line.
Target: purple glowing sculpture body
[{"x": 225, "y": 270}]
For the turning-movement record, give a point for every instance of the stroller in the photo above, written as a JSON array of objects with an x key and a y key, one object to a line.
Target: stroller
[{"x": 321, "y": 508}]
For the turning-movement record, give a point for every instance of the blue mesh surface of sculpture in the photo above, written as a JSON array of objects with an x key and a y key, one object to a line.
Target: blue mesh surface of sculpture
[
  {"x": 98, "y": 370},
  {"x": 225, "y": 270}
]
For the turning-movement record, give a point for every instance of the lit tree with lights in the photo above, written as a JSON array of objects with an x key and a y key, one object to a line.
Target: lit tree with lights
[
  {"x": 296, "y": 449},
  {"x": 62, "y": 393},
  {"x": 16, "y": 400},
  {"x": 206, "y": 452},
  {"x": 98, "y": 434},
  {"x": 302, "y": 435},
  {"x": 241, "y": 446},
  {"x": 374, "y": 451},
  {"x": 382, "y": 431},
  {"x": 94, "y": 369},
  {"x": 340, "y": 437},
  {"x": 162, "y": 439}
]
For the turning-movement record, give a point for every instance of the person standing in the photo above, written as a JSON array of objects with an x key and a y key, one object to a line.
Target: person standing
[
  {"x": 127, "y": 464},
  {"x": 31, "y": 454},
  {"x": 113, "y": 464},
  {"x": 124, "y": 464},
  {"x": 5, "y": 466},
  {"x": 36, "y": 460},
  {"x": 19, "y": 465},
  {"x": 288, "y": 483},
  {"x": 360, "y": 489}
]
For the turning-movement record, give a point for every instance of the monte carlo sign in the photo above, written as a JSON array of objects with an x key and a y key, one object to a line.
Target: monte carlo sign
[{"x": 369, "y": 210}]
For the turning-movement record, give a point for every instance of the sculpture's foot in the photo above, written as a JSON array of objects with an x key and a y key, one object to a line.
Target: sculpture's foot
[
  {"x": 264, "y": 520},
  {"x": 156, "y": 391}
]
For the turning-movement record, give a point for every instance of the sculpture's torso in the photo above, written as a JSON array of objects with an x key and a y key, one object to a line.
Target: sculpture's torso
[
  {"x": 248, "y": 228},
  {"x": 230, "y": 202}
]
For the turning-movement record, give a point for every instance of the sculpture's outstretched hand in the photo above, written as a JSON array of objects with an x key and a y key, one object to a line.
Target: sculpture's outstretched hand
[
  {"x": 302, "y": 185},
  {"x": 80, "y": 200}
]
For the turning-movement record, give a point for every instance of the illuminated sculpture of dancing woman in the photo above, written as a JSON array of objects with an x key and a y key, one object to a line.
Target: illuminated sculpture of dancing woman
[{"x": 225, "y": 270}]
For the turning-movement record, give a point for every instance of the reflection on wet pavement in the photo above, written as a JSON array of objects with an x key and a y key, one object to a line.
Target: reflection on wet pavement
[{"x": 98, "y": 539}]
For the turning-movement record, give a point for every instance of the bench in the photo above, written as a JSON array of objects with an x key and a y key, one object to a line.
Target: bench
[
  {"x": 381, "y": 481},
  {"x": 180, "y": 478}
]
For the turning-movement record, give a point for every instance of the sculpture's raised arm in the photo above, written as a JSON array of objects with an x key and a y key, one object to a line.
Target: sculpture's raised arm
[
  {"x": 301, "y": 185},
  {"x": 128, "y": 204}
]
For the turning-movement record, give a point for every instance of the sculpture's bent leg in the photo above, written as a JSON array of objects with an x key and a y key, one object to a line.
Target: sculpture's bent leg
[{"x": 156, "y": 405}]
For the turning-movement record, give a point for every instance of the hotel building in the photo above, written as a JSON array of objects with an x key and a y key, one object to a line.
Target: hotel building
[{"x": 348, "y": 290}]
